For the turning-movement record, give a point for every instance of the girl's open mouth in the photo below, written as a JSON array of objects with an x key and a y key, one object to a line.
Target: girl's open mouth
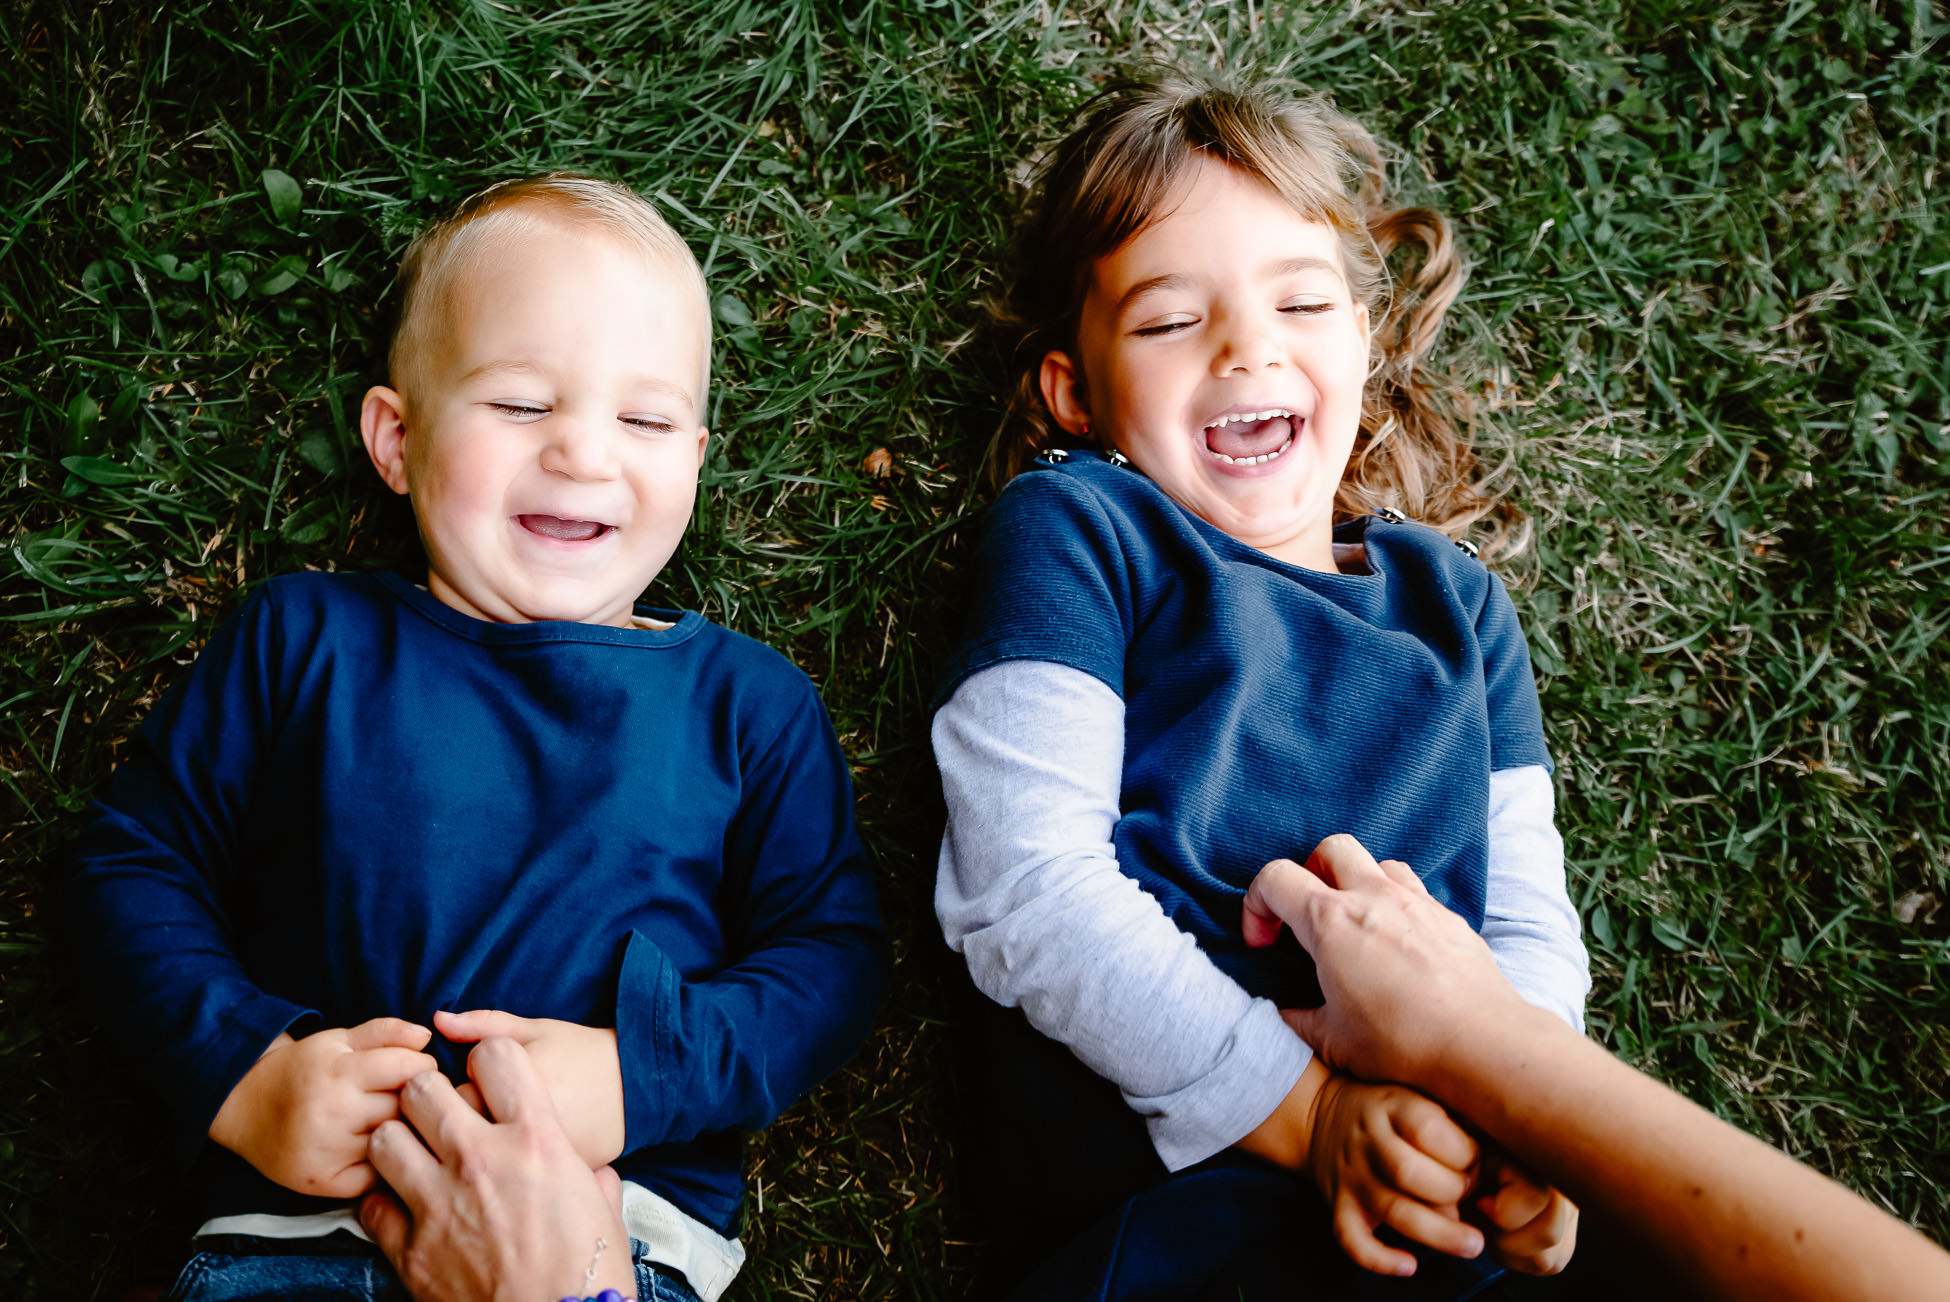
[
  {"x": 1251, "y": 438},
  {"x": 564, "y": 530}
]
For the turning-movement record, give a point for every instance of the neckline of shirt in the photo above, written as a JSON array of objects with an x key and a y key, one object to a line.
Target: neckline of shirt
[
  {"x": 681, "y": 625},
  {"x": 1354, "y": 549}
]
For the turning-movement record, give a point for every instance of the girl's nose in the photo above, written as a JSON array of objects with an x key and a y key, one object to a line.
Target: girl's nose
[
  {"x": 578, "y": 448},
  {"x": 1244, "y": 344}
]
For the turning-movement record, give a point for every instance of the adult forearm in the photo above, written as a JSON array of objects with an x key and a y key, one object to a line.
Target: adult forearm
[
  {"x": 1411, "y": 994},
  {"x": 1743, "y": 1219}
]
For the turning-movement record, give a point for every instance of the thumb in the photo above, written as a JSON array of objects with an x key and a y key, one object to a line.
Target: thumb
[
  {"x": 1306, "y": 1023},
  {"x": 612, "y": 1186},
  {"x": 387, "y": 1033},
  {"x": 482, "y": 1024},
  {"x": 1260, "y": 921},
  {"x": 1281, "y": 893},
  {"x": 386, "y": 1221}
]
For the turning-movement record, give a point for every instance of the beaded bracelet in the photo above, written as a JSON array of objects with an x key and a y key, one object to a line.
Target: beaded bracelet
[{"x": 607, "y": 1295}]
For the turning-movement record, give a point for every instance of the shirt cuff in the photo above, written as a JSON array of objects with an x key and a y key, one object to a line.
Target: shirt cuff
[
  {"x": 646, "y": 1002},
  {"x": 1261, "y": 1062},
  {"x": 248, "y": 1030}
]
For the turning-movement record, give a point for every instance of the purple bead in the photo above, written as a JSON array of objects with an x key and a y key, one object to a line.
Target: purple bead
[{"x": 609, "y": 1295}]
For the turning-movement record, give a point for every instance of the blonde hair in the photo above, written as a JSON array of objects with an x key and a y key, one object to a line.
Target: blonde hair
[
  {"x": 1108, "y": 179},
  {"x": 455, "y": 241}
]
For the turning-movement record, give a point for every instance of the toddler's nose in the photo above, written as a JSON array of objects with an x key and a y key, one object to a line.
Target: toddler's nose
[{"x": 579, "y": 449}]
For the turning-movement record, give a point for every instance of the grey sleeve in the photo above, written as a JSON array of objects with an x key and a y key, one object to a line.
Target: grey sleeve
[
  {"x": 1029, "y": 892},
  {"x": 1528, "y": 919}
]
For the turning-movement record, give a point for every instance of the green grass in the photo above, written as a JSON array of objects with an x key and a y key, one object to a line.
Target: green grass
[{"x": 1711, "y": 277}]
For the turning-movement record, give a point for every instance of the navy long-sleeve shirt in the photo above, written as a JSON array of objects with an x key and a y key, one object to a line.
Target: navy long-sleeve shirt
[
  {"x": 1266, "y": 705},
  {"x": 363, "y": 803}
]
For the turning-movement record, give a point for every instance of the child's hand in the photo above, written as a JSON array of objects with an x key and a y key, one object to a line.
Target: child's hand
[
  {"x": 304, "y": 1112},
  {"x": 1532, "y": 1227},
  {"x": 578, "y": 1063},
  {"x": 1383, "y": 1154}
]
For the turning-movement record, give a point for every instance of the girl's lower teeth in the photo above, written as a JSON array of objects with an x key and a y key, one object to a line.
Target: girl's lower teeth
[{"x": 1254, "y": 461}]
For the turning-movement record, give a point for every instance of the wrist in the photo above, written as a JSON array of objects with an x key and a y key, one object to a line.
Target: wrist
[
  {"x": 608, "y": 1268},
  {"x": 239, "y": 1113},
  {"x": 1285, "y": 1138},
  {"x": 1478, "y": 1052}
]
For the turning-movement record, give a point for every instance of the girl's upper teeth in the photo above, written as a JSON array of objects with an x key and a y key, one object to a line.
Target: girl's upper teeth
[{"x": 1268, "y": 414}]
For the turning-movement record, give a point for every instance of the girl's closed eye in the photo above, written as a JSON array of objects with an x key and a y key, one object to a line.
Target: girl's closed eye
[
  {"x": 1165, "y": 327},
  {"x": 649, "y": 424},
  {"x": 519, "y": 410},
  {"x": 1308, "y": 307}
]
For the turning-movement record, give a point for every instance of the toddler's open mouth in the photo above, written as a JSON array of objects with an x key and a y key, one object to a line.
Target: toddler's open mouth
[
  {"x": 564, "y": 530},
  {"x": 1251, "y": 438}
]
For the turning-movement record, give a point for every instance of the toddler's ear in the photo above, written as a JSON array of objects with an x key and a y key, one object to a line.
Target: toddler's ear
[
  {"x": 382, "y": 424},
  {"x": 1062, "y": 387}
]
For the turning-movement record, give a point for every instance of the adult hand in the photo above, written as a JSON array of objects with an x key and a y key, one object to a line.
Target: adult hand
[
  {"x": 579, "y": 1065},
  {"x": 1413, "y": 995},
  {"x": 499, "y": 1210},
  {"x": 1404, "y": 978}
]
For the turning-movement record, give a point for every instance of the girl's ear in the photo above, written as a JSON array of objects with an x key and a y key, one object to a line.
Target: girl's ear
[
  {"x": 1063, "y": 393},
  {"x": 382, "y": 424}
]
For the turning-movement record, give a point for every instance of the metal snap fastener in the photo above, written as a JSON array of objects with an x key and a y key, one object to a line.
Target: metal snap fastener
[
  {"x": 1117, "y": 458},
  {"x": 1391, "y": 515},
  {"x": 1055, "y": 456},
  {"x": 1469, "y": 549}
]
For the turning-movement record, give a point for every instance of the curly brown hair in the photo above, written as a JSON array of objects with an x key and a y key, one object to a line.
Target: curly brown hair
[{"x": 1108, "y": 178}]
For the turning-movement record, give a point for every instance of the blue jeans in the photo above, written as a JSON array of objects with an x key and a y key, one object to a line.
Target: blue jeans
[{"x": 339, "y": 1268}]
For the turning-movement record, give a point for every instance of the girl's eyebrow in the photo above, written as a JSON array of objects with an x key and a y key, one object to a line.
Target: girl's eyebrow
[
  {"x": 1170, "y": 280},
  {"x": 1272, "y": 271},
  {"x": 1288, "y": 266}
]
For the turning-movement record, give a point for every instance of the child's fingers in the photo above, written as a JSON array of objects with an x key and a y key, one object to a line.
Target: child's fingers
[
  {"x": 1544, "y": 1242},
  {"x": 387, "y": 1032},
  {"x": 1516, "y": 1204},
  {"x": 387, "y": 1069},
  {"x": 482, "y": 1024},
  {"x": 1440, "y": 1230},
  {"x": 1357, "y": 1239},
  {"x": 1428, "y": 1126},
  {"x": 352, "y": 1182},
  {"x": 365, "y": 1112},
  {"x": 1403, "y": 1167}
]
